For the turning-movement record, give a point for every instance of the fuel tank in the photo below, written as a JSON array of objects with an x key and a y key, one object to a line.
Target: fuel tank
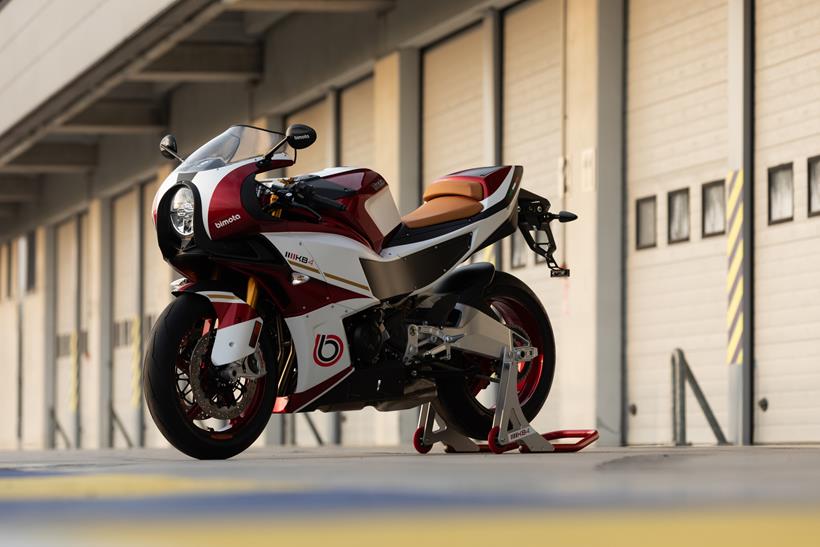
[{"x": 370, "y": 208}]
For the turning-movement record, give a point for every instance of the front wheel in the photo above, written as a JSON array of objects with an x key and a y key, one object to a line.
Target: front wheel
[
  {"x": 202, "y": 410},
  {"x": 468, "y": 403}
]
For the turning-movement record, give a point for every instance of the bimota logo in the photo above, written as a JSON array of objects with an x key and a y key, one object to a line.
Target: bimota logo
[
  {"x": 327, "y": 350},
  {"x": 230, "y": 220},
  {"x": 300, "y": 137},
  {"x": 298, "y": 258}
]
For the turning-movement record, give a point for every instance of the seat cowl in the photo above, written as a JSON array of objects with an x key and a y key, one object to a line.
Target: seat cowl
[
  {"x": 442, "y": 209},
  {"x": 455, "y": 186}
]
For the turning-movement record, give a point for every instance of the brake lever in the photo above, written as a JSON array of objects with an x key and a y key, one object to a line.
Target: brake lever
[{"x": 307, "y": 208}]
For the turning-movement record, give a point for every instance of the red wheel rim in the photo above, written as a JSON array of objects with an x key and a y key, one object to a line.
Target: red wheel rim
[
  {"x": 520, "y": 319},
  {"x": 190, "y": 408}
]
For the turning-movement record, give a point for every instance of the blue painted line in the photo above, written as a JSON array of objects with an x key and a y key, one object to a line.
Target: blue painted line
[
  {"x": 268, "y": 504},
  {"x": 15, "y": 473}
]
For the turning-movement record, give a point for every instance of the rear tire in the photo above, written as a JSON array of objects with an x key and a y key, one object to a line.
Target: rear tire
[
  {"x": 521, "y": 310},
  {"x": 168, "y": 408}
]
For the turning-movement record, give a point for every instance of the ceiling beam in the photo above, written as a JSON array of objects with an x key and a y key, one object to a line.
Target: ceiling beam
[
  {"x": 54, "y": 157},
  {"x": 115, "y": 117},
  {"x": 309, "y": 5},
  {"x": 18, "y": 189},
  {"x": 205, "y": 63},
  {"x": 8, "y": 210}
]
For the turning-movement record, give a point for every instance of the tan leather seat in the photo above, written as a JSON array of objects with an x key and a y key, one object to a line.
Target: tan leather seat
[{"x": 446, "y": 200}]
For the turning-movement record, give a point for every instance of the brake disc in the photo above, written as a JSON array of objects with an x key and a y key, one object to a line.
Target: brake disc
[{"x": 211, "y": 397}]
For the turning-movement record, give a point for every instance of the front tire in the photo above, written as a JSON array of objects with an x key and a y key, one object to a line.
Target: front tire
[
  {"x": 519, "y": 308},
  {"x": 173, "y": 406}
]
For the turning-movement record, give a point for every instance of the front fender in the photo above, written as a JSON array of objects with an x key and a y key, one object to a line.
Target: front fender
[{"x": 238, "y": 326}]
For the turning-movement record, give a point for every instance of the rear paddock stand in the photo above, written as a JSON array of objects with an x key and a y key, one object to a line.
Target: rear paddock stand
[{"x": 510, "y": 429}]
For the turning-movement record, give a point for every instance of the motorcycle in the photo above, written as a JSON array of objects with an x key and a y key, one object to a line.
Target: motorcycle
[{"x": 312, "y": 293}]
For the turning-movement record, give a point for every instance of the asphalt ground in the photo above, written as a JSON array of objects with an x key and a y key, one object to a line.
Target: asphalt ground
[{"x": 394, "y": 497}]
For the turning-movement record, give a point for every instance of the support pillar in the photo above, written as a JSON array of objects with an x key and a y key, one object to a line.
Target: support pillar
[{"x": 740, "y": 221}]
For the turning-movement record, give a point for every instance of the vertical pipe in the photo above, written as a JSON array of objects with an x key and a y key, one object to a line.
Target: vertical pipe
[
  {"x": 624, "y": 217},
  {"x": 334, "y": 101},
  {"x": 749, "y": 216},
  {"x": 105, "y": 315},
  {"x": 493, "y": 99},
  {"x": 49, "y": 267},
  {"x": 18, "y": 295},
  {"x": 78, "y": 302},
  {"x": 140, "y": 288}
]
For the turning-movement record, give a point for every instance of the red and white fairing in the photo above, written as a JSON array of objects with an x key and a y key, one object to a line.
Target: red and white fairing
[{"x": 331, "y": 254}]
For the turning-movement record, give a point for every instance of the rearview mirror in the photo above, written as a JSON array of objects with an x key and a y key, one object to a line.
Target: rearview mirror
[
  {"x": 300, "y": 136},
  {"x": 168, "y": 147}
]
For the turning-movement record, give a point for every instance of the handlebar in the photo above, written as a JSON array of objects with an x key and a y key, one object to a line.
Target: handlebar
[
  {"x": 327, "y": 202},
  {"x": 301, "y": 196}
]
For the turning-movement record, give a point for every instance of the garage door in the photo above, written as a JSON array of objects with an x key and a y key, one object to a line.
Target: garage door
[
  {"x": 66, "y": 366},
  {"x": 787, "y": 232},
  {"x": 532, "y": 136},
  {"x": 126, "y": 360},
  {"x": 315, "y": 157},
  {"x": 453, "y": 105},
  {"x": 676, "y": 260},
  {"x": 356, "y": 129}
]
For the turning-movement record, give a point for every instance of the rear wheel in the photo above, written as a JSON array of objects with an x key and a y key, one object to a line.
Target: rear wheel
[
  {"x": 467, "y": 403},
  {"x": 207, "y": 412}
]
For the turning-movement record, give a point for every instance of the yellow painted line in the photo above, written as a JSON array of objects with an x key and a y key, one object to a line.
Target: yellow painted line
[
  {"x": 348, "y": 281},
  {"x": 734, "y": 191},
  {"x": 669, "y": 528},
  {"x": 330, "y": 275},
  {"x": 735, "y": 338},
  {"x": 136, "y": 363},
  {"x": 74, "y": 381},
  {"x": 734, "y": 267},
  {"x": 734, "y": 230},
  {"x": 734, "y": 304},
  {"x": 120, "y": 486}
]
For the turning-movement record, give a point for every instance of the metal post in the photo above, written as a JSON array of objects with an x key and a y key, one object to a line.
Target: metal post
[
  {"x": 678, "y": 400},
  {"x": 76, "y": 351},
  {"x": 335, "y": 153},
  {"x": 139, "y": 329},
  {"x": 49, "y": 289},
  {"x": 105, "y": 315},
  {"x": 748, "y": 225}
]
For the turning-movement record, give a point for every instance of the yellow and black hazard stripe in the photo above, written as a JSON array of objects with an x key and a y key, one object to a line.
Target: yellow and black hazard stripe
[{"x": 735, "y": 275}]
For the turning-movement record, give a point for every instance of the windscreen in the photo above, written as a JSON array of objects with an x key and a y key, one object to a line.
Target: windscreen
[{"x": 239, "y": 142}]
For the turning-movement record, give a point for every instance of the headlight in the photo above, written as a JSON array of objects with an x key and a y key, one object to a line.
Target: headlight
[{"x": 182, "y": 211}]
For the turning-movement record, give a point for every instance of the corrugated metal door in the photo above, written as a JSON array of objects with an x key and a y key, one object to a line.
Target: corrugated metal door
[
  {"x": 315, "y": 157},
  {"x": 531, "y": 117},
  {"x": 787, "y": 251},
  {"x": 156, "y": 292},
  {"x": 676, "y": 140},
  {"x": 126, "y": 358},
  {"x": 356, "y": 130},
  {"x": 453, "y": 105},
  {"x": 66, "y": 366}
]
